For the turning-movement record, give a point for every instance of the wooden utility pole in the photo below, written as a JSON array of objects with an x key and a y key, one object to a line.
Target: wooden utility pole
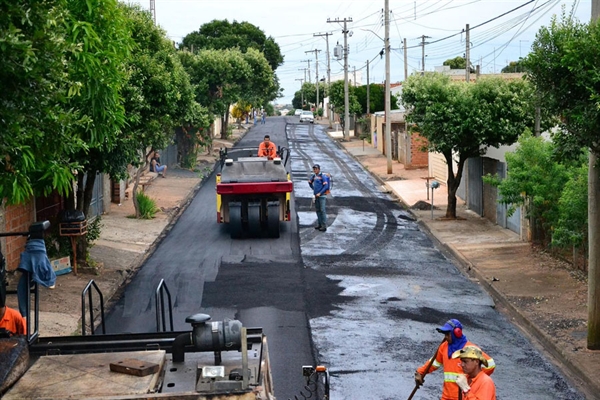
[
  {"x": 468, "y": 55},
  {"x": 301, "y": 92},
  {"x": 153, "y": 10},
  {"x": 388, "y": 122},
  {"x": 316, "y": 76},
  {"x": 368, "y": 90},
  {"x": 329, "y": 113},
  {"x": 346, "y": 99},
  {"x": 308, "y": 69},
  {"x": 303, "y": 69},
  {"x": 593, "y": 333},
  {"x": 423, "y": 43},
  {"x": 405, "y": 61}
]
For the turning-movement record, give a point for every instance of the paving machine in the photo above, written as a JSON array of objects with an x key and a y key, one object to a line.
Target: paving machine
[{"x": 253, "y": 193}]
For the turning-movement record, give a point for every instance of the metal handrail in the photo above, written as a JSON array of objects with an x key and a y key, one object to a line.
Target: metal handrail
[
  {"x": 161, "y": 289},
  {"x": 87, "y": 291}
]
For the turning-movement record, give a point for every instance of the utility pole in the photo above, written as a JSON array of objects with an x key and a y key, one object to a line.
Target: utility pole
[
  {"x": 329, "y": 113},
  {"x": 303, "y": 69},
  {"x": 301, "y": 91},
  {"x": 153, "y": 10},
  {"x": 405, "y": 61},
  {"x": 368, "y": 90},
  {"x": 317, "y": 75},
  {"x": 346, "y": 100},
  {"x": 521, "y": 41},
  {"x": 468, "y": 55},
  {"x": 308, "y": 61},
  {"x": 423, "y": 43},
  {"x": 593, "y": 326},
  {"x": 388, "y": 122}
]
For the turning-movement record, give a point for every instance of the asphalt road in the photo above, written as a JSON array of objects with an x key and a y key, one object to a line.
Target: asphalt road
[{"x": 364, "y": 298}]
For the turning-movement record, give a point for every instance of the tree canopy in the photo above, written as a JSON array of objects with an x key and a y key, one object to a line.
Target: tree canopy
[
  {"x": 37, "y": 137},
  {"x": 461, "y": 120},
  {"x": 514, "y": 66},
  {"x": 376, "y": 98},
  {"x": 222, "y": 35},
  {"x": 336, "y": 96},
  {"x": 564, "y": 66}
]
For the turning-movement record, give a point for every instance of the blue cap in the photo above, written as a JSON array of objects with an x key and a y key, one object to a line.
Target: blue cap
[
  {"x": 316, "y": 166},
  {"x": 447, "y": 327}
]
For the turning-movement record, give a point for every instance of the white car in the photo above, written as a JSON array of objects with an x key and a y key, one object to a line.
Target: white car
[
  {"x": 298, "y": 112},
  {"x": 307, "y": 116}
]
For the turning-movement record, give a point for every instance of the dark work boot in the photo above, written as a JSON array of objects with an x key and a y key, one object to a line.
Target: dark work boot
[
  {"x": 323, "y": 229},
  {"x": 318, "y": 227}
]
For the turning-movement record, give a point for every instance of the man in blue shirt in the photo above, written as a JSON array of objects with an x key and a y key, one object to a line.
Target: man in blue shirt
[{"x": 319, "y": 183}]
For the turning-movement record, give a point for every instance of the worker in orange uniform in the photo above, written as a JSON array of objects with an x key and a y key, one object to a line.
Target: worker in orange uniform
[
  {"x": 267, "y": 148},
  {"x": 474, "y": 384},
  {"x": 12, "y": 321},
  {"x": 454, "y": 339}
]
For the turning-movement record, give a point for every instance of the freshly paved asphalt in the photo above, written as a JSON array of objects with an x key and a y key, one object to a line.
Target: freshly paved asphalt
[{"x": 363, "y": 298}]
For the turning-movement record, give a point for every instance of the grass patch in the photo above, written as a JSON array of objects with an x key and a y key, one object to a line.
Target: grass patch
[{"x": 148, "y": 208}]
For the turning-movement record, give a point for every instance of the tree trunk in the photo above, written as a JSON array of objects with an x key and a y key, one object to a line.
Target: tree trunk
[
  {"x": 593, "y": 336},
  {"x": 453, "y": 183},
  {"x": 225, "y": 123},
  {"x": 85, "y": 193},
  {"x": 136, "y": 183}
]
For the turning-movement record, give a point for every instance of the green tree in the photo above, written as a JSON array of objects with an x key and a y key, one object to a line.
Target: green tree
[
  {"x": 461, "y": 120},
  {"x": 98, "y": 29},
  {"x": 534, "y": 181},
  {"x": 37, "y": 138},
  {"x": 376, "y": 98},
  {"x": 158, "y": 96},
  {"x": 220, "y": 78},
  {"x": 336, "y": 97},
  {"x": 514, "y": 66},
  {"x": 456, "y": 63},
  {"x": 572, "y": 226},
  {"x": 564, "y": 65},
  {"x": 222, "y": 35}
]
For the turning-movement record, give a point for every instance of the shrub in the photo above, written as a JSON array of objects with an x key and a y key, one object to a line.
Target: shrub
[{"x": 148, "y": 208}]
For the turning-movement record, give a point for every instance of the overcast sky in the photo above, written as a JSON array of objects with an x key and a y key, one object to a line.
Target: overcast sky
[{"x": 293, "y": 24}]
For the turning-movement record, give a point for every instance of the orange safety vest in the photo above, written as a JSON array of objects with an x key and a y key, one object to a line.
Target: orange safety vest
[
  {"x": 14, "y": 322},
  {"x": 452, "y": 369},
  {"x": 482, "y": 388},
  {"x": 267, "y": 150}
]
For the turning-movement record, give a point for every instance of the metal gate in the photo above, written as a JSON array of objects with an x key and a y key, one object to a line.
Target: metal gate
[
  {"x": 475, "y": 185},
  {"x": 97, "y": 204},
  {"x": 513, "y": 222}
]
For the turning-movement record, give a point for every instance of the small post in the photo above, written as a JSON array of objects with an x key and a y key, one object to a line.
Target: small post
[
  {"x": 434, "y": 185},
  {"x": 432, "y": 202}
]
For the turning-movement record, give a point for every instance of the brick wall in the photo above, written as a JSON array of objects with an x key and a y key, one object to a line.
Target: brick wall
[
  {"x": 418, "y": 157},
  {"x": 17, "y": 218}
]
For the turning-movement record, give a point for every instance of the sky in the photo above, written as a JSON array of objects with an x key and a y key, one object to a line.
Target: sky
[{"x": 495, "y": 38}]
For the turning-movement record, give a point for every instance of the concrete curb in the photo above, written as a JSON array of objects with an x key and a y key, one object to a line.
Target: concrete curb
[{"x": 560, "y": 358}]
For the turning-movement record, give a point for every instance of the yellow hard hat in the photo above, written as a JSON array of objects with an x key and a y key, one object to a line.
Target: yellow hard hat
[{"x": 470, "y": 352}]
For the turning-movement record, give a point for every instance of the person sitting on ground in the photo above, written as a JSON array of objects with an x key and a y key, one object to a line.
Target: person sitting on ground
[
  {"x": 156, "y": 166},
  {"x": 12, "y": 321},
  {"x": 267, "y": 148}
]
